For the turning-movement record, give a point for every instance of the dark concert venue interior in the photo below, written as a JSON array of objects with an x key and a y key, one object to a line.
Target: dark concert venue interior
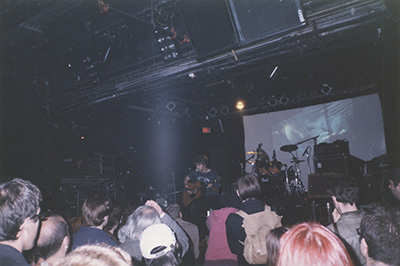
[{"x": 118, "y": 97}]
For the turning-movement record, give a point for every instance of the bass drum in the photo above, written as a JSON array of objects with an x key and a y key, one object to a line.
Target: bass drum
[
  {"x": 269, "y": 169},
  {"x": 275, "y": 167}
]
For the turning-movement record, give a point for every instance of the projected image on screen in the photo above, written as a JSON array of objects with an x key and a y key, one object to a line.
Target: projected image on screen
[
  {"x": 357, "y": 121},
  {"x": 328, "y": 122}
]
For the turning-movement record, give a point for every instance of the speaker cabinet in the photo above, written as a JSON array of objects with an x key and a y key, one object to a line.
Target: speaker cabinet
[
  {"x": 346, "y": 165},
  {"x": 217, "y": 26},
  {"x": 259, "y": 19},
  {"x": 319, "y": 183},
  {"x": 209, "y": 26},
  {"x": 331, "y": 164}
]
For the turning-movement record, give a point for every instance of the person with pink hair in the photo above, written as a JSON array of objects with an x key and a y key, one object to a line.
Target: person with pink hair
[{"x": 311, "y": 244}]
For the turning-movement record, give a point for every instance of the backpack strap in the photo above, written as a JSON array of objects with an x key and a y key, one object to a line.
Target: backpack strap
[
  {"x": 268, "y": 217},
  {"x": 242, "y": 214},
  {"x": 336, "y": 228}
]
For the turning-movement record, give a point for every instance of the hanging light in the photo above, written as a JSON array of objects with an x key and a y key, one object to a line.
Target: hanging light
[{"x": 240, "y": 105}]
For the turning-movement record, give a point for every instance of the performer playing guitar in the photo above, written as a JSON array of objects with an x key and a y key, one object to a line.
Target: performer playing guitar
[{"x": 194, "y": 197}]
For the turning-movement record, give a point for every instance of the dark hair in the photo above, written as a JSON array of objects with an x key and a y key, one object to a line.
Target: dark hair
[
  {"x": 171, "y": 258},
  {"x": 114, "y": 218},
  {"x": 231, "y": 199},
  {"x": 95, "y": 209},
  {"x": 201, "y": 159},
  {"x": 19, "y": 199},
  {"x": 248, "y": 187},
  {"x": 273, "y": 244},
  {"x": 381, "y": 230},
  {"x": 51, "y": 239},
  {"x": 345, "y": 190},
  {"x": 174, "y": 210},
  {"x": 394, "y": 175}
]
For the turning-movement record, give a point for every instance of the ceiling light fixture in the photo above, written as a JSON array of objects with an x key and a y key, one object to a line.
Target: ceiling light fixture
[
  {"x": 240, "y": 105},
  {"x": 170, "y": 106},
  {"x": 224, "y": 110},
  {"x": 326, "y": 89},
  {"x": 284, "y": 100},
  {"x": 213, "y": 112}
]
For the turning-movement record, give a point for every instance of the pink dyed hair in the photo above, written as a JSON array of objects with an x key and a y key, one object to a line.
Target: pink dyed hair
[{"x": 311, "y": 244}]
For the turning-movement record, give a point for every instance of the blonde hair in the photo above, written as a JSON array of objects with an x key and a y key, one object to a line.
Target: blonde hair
[
  {"x": 96, "y": 255},
  {"x": 311, "y": 244}
]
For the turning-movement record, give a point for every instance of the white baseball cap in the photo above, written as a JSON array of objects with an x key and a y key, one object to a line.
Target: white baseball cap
[{"x": 156, "y": 236}]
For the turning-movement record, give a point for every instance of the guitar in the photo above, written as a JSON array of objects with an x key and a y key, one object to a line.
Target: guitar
[{"x": 195, "y": 190}]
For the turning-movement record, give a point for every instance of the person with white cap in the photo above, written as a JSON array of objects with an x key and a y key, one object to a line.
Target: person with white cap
[
  {"x": 144, "y": 216},
  {"x": 159, "y": 246}
]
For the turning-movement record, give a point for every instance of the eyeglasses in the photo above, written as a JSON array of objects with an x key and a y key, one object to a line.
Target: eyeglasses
[
  {"x": 359, "y": 233},
  {"x": 42, "y": 216},
  {"x": 35, "y": 217}
]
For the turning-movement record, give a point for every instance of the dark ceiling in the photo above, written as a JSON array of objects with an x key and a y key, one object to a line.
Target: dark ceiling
[{"x": 71, "y": 56}]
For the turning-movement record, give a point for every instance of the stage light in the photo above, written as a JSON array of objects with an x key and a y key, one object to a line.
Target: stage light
[
  {"x": 272, "y": 102},
  {"x": 166, "y": 45},
  {"x": 224, "y": 110},
  {"x": 240, "y": 105},
  {"x": 326, "y": 89},
  {"x": 170, "y": 106},
  {"x": 284, "y": 100},
  {"x": 213, "y": 112}
]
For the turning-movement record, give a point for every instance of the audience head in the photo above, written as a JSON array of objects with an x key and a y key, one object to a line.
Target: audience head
[
  {"x": 248, "y": 187},
  {"x": 139, "y": 220},
  {"x": 19, "y": 209},
  {"x": 311, "y": 244},
  {"x": 201, "y": 159},
  {"x": 114, "y": 218},
  {"x": 54, "y": 238},
  {"x": 74, "y": 224},
  {"x": 380, "y": 235},
  {"x": 231, "y": 199},
  {"x": 159, "y": 246},
  {"x": 95, "y": 211},
  {"x": 96, "y": 255},
  {"x": 174, "y": 211},
  {"x": 345, "y": 191},
  {"x": 273, "y": 244},
  {"x": 394, "y": 182}
]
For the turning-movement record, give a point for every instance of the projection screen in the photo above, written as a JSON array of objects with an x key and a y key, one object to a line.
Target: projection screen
[{"x": 356, "y": 120}]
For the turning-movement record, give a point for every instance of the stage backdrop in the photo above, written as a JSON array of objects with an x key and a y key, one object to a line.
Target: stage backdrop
[{"x": 356, "y": 120}]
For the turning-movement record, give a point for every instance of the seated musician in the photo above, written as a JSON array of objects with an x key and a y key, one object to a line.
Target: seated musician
[{"x": 201, "y": 192}]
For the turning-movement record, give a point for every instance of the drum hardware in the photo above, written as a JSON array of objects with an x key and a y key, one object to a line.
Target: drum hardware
[
  {"x": 308, "y": 158},
  {"x": 243, "y": 164},
  {"x": 289, "y": 148},
  {"x": 313, "y": 138},
  {"x": 297, "y": 161},
  {"x": 308, "y": 148},
  {"x": 252, "y": 152}
]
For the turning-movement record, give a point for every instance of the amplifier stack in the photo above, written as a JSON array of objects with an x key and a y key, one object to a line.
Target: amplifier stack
[{"x": 335, "y": 158}]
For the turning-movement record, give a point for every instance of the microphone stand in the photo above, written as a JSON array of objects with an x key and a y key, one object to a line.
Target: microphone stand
[{"x": 308, "y": 159}]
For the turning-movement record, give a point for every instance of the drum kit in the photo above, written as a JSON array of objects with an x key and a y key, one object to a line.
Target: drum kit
[{"x": 277, "y": 178}]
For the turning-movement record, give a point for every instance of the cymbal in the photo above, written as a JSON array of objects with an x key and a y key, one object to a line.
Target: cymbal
[
  {"x": 289, "y": 148},
  {"x": 251, "y": 162},
  {"x": 253, "y": 152},
  {"x": 297, "y": 161}
]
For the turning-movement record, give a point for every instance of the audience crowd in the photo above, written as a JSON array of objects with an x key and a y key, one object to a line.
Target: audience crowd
[{"x": 243, "y": 231}]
